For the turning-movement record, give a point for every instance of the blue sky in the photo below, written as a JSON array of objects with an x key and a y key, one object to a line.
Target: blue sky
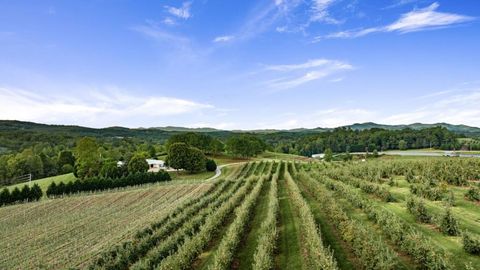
[{"x": 240, "y": 64}]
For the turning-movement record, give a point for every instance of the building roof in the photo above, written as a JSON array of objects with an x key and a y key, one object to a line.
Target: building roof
[{"x": 155, "y": 162}]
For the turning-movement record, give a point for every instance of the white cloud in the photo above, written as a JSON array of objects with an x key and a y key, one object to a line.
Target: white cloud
[
  {"x": 182, "y": 12},
  {"x": 458, "y": 108},
  {"x": 336, "y": 117},
  {"x": 109, "y": 106},
  {"x": 311, "y": 70},
  {"x": 329, "y": 118},
  {"x": 223, "y": 39},
  {"x": 415, "y": 20},
  {"x": 169, "y": 21},
  {"x": 400, "y": 3},
  {"x": 319, "y": 11}
]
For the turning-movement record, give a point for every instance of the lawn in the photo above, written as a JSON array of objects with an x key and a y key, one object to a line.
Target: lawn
[{"x": 45, "y": 182}]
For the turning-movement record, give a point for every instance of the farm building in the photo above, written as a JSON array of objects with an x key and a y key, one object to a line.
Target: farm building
[{"x": 154, "y": 165}]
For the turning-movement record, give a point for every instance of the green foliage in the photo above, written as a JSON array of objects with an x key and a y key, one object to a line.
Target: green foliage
[
  {"x": 226, "y": 250},
  {"x": 210, "y": 165},
  {"x": 245, "y": 145},
  {"x": 317, "y": 255},
  {"x": 111, "y": 170},
  {"x": 398, "y": 231},
  {"x": 328, "y": 155},
  {"x": 178, "y": 155},
  {"x": 402, "y": 145},
  {"x": 264, "y": 254},
  {"x": 181, "y": 156},
  {"x": 88, "y": 161},
  {"x": 205, "y": 143},
  {"x": 417, "y": 208},
  {"x": 65, "y": 157},
  {"x": 471, "y": 243},
  {"x": 25, "y": 194},
  {"x": 67, "y": 168},
  {"x": 196, "y": 161},
  {"x": 137, "y": 164},
  {"x": 100, "y": 183},
  {"x": 449, "y": 224},
  {"x": 186, "y": 253},
  {"x": 370, "y": 249},
  {"x": 473, "y": 193}
]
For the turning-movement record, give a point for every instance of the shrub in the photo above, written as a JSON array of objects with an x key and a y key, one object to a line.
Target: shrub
[
  {"x": 473, "y": 194},
  {"x": 67, "y": 168},
  {"x": 449, "y": 224},
  {"x": 471, "y": 244},
  {"x": 211, "y": 166},
  {"x": 417, "y": 208}
]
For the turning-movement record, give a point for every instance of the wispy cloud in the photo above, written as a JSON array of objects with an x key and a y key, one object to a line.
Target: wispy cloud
[
  {"x": 456, "y": 108},
  {"x": 223, "y": 38},
  {"x": 416, "y": 20},
  {"x": 182, "y": 12},
  {"x": 168, "y": 21},
  {"x": 107, "y": 106},
  {"x": 398, "y": 3},
  {"x": 294, "y": 75},
  {"x": 319, "y": 11},
  {"x": 181, "y": 47}
]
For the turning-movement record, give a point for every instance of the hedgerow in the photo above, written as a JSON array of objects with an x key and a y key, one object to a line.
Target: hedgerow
[
  {"x": 100, "y": 183},
  {"x": 406, "y": 237},
  {"x": 192, "y": 246},
  {"x": 26, "y": 194},
  {"x": 371, "y": 250},
  {"x": 121, "y": 256},
  {"x": 226, "y": 249},
  {"x": 263, "y": 257},
  {"x": 317, "y": 255}
]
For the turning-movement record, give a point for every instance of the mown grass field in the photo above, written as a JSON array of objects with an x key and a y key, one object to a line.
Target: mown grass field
[
  {"x": 45, "y": 182},
  {"x": 258, "y": 215}
]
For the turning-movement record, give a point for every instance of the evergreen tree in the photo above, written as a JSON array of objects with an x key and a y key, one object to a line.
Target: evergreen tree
[
  {"x": 25, "y": 193},
  {"x": 36, "y": 192},
  {"x": 5, "y": 197},
  {"x": 211, "y": 166}
]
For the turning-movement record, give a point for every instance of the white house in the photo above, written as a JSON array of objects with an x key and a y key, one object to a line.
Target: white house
[
  {"x": 154, "y": 165},
  {"x": 318, "y": 156}
]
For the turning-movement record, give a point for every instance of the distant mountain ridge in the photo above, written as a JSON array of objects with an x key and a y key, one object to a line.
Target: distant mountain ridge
[{"x": 6, "y": 125}]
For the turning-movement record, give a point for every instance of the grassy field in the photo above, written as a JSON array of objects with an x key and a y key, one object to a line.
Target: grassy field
[{"x": 45, "y": 182}]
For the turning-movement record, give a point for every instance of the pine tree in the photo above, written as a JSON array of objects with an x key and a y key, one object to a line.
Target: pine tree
[{"x": 5, "y": 197}]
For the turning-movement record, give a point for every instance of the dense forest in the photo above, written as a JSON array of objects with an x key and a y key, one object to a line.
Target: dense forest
[
  {"x": 47, "y": 150},
  {"x": 348, "y": 140}
]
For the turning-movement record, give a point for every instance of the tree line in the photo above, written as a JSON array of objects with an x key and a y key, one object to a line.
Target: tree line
[
  {"x": 348, "y": 140},
  {"x": 102, "y": 183},
  {"x": 26, "y": 194}
]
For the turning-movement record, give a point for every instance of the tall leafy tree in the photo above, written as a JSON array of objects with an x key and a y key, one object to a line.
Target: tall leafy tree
[
  {"x": 88, "y": 160},
  {"x": 245, "y": 145},
  {"x": 137, "y": 164},
  {"x": 65, "y": 157},
  {"x": 196, "y": 161},
  {"x": 178, "y": 154}
]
